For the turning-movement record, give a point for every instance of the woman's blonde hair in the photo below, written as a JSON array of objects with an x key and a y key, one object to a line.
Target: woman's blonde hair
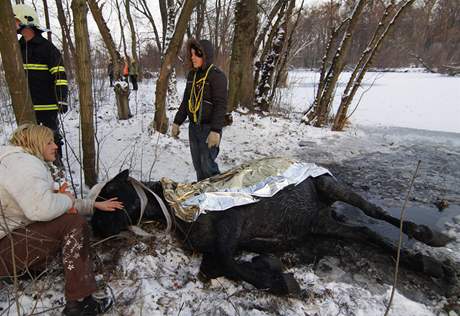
[{"x": 32, "y": 138}]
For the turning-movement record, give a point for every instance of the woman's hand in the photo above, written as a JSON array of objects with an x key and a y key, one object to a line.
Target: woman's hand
[{"x": 109, "y": 205}]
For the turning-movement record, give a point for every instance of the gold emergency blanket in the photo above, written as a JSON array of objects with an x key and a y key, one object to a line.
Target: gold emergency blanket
[{"x": 238, "y": 186}]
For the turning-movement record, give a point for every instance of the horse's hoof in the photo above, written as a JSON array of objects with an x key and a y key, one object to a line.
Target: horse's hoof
[
  {"x": 293, "y": 287},
  {"x": 428, "y": 236},
  {"x": 432, "y": 267},
  {"x": 440, "y": 240},
  {"x": 203, "y": 277},
  {"x": 284, "y": 284},
  {"x": 267, "y": 262}
]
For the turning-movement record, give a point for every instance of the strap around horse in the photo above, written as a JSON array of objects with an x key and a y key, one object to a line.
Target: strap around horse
[{"x": 140, "y": 187}]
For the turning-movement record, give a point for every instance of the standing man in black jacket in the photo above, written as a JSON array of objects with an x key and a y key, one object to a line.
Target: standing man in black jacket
[
  {"x": 205, "y": 104},
  {"x": 45, "y": 71}
]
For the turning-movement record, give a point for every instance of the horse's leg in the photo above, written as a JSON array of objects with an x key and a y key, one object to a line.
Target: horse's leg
[
  {"x": 210, "y": 267},
  {"x": 261, "y": 276},
  {"x": 443, "y": 270},
  {"x": 334, "y": 191}
]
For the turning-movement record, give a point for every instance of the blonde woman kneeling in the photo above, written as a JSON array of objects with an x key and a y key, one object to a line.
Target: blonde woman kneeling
[{"x": 41, "y": 222}]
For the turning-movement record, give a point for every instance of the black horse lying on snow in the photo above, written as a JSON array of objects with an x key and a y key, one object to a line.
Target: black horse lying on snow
[{"x": 276, "y": 223}]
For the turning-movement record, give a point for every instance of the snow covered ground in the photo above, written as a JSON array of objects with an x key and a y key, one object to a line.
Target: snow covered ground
[{"x": 157, "y": 277}]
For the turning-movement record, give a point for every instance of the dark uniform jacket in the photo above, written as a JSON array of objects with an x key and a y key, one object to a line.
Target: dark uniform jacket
[
  {"x": 214, "y": 103},
  {"x": 45, "y": 73}
]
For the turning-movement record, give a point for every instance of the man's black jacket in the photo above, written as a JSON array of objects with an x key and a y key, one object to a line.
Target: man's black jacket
[
  {"x": 45, "y": 73},
  {"x": 214, "y": 104}
]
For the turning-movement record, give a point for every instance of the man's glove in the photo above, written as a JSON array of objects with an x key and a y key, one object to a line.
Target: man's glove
[
  {"x": 63, "y": 107},
  {"x": 213, "y": 139},
  {"x": 175, "y": 131}
]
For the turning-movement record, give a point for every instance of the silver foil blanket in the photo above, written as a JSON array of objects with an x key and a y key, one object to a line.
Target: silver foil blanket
[{"x": 238, "y": 186}]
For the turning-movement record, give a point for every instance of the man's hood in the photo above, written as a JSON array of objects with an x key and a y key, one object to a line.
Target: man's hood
[{"x": 206, "y": 48}]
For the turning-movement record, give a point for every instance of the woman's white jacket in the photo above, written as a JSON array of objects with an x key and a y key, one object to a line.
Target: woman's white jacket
[{"x": 27, "y": 191}]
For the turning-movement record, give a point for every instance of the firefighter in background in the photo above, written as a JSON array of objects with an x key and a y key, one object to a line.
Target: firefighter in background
[{"x": 45, "y": 72}]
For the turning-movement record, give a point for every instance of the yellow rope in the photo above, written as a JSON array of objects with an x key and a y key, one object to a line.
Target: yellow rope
[{"x": 198, "y": 95}]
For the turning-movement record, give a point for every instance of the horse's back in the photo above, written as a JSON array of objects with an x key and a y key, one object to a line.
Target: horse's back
[{"x": 287, "y": 215}]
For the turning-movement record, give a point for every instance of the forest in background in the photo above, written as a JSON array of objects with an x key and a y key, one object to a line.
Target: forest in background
[{"x": 427, "y": 35}]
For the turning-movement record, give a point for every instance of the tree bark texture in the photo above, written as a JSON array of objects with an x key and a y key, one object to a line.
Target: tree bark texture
[
  {"x": 268, "y": 22},
  {"x": 47, "y": 19},
  {"x": 65, "y": 26},
  {"x": 122, "y": 98},
  {"x": 68, "y": 47},
  {"x": 281, "y": 77},
  {"x": 310, "y": 114},
  {"x": 122, "y": 29},
  {"x": 84, "y": 80},
  {"x": 201, "y": 8},
  {"x": 325, "y": 97},
  {"x": 363, "y": 65},
  {"x": 164, "y": 21},
  {"x": 144, "y": 9},
  {"x": 241, "y": 75},
  {"x": 172, "y": 97},
  {"x": 134, "y": 54},
  {"x": 269, "y": 41},
  {"x": 269, "y": 66},
  {"x": 160, "y": 123},
  {"x": 14, "y": 69}
]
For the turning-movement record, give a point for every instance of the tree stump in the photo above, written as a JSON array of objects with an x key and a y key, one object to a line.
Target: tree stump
[{"x": 122, "y": 93}]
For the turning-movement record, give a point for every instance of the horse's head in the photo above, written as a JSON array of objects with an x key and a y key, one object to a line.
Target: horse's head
[{"x": 110, "y": 223}]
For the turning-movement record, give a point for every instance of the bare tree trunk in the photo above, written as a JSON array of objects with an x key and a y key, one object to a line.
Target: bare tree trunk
[
  {"x": 164, "y": 20},
  {"x": 120, "y": 93},
  {"x": 122, "y": 29},
  {"x": 14, "y": 69},
  {"x": 269, "y": 65},
  {"x": 107, "y": 37},
  {"x": 274, "y": 11},
  {"x": 268, "y": 44},
  {"x": 133, "y": 39},
  {"x": 65, "y": 26},
  {"x": 363, "y": 65},
  {"x": 172, "y": 97},
  {"x": 69, "y": 59},
  {"x": 201, "y": 8},
  {"x": 144, "y": 9},
  {"x": 216, "y": 31},
  {"x": 67, "y": 43},
  {"x": 160, "y": 120},
  {"x": 324, "y": 102},
  {"x": 219, "y": 26},
  {"x": 241, "y": 75},
  {"x": 224, "y": 46},
  {"x": 80, "y": 10},
  {"x": 281, "y": 73},
  {"x": 47, "y": 19},
  {"x": 310, "y": 114}
]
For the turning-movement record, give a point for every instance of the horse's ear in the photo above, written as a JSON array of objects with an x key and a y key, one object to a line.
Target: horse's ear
[{"x": 122, "y": 176}]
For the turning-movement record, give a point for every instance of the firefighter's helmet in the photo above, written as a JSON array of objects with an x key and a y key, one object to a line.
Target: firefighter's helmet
[{"x": 27, "y": 16}]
